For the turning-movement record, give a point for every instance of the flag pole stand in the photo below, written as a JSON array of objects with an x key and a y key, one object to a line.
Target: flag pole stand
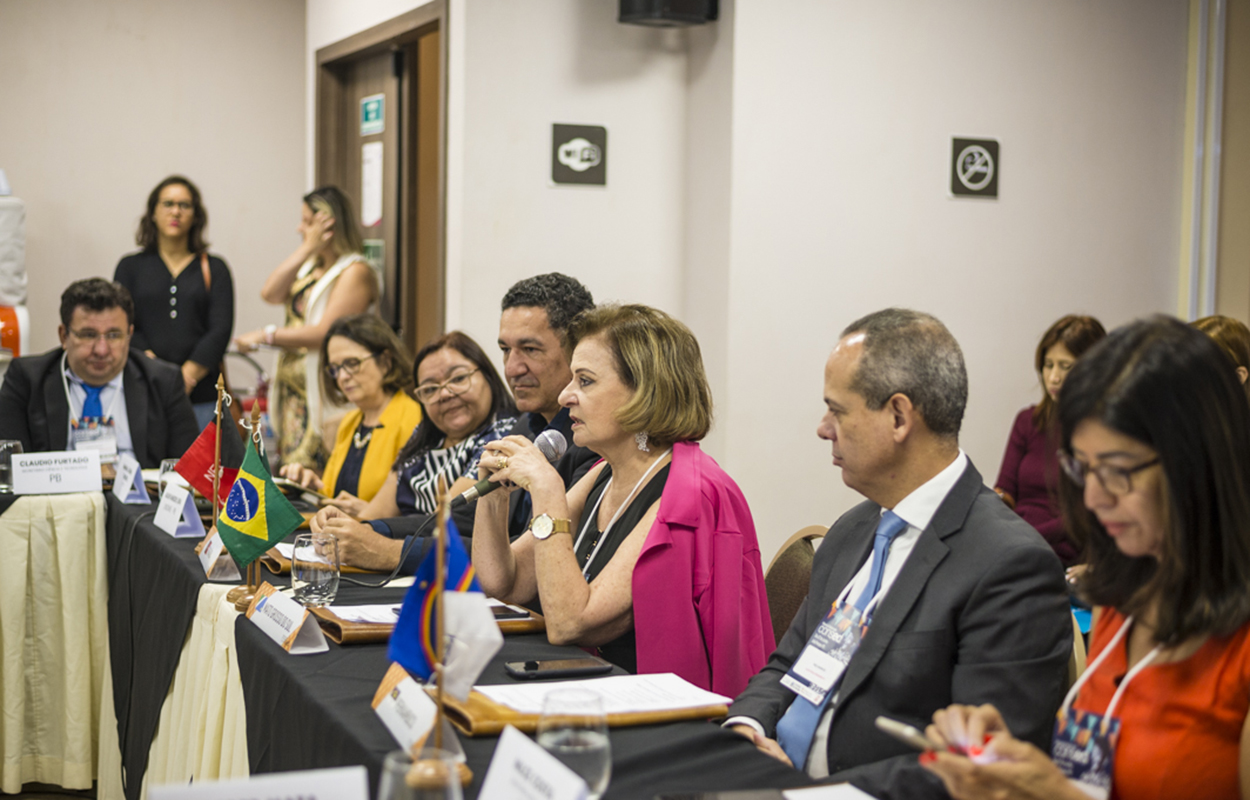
[
  {"x": 242, "y": 596},
  {"x": 212, "y": 528},
  {"x": 429, "y": 773}
]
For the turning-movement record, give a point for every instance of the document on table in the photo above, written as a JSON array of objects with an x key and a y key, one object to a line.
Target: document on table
[
  {"x": 622, "y": 694},
  {"x": 838, "y": 791},
  {"x": 384, "y": 613}
]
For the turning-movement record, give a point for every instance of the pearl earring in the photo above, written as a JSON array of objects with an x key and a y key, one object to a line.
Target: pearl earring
[{"x": 641, "y": 439}]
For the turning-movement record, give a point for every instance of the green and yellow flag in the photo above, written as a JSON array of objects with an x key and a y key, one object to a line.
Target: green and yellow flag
[{"x": 256, "y": 515}]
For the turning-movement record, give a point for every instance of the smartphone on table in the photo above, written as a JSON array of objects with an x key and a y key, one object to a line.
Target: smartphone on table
[{"x": 558, "y": 668}]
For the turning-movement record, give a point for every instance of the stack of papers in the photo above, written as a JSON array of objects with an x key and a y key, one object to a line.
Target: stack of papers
[
  {"x": 385, "y": 614},
  {"x": 622, "y": 694}
]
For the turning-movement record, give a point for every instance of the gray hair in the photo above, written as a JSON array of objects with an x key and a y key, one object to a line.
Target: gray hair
[{"x": 912, "y": 353}]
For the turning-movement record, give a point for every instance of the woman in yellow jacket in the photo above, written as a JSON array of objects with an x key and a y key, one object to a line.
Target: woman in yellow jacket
[{"x": 364, "y": 363}]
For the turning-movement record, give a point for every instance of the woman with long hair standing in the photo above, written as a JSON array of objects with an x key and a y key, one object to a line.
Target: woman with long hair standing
[
  {"x": 326, "y": 278},
  {"x": 183, "y": 296}
]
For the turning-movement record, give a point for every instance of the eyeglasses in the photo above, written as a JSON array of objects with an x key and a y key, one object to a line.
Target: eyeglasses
[
  {"x": 349, "y": 366},
  {"x": 456, "y": 384},
  {"x": 1116, "y": 480},
  {"x": 170, "y": 205},
  {"x": 112, "y": 337}
]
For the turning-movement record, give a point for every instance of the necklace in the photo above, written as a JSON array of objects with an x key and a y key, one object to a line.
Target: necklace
[
  {"x": 603, "y": 535},
  {"x": 359, "y": 441}
]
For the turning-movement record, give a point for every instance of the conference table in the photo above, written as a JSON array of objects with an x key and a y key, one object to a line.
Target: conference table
[{"x": 201, "y": 693}]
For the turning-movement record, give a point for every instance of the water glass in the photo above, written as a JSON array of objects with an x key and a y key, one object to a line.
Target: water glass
[
  {"x": 7, "y": 448},
  {"x": 436, "y": 776},
  {"x": 315, "y": 568},
  {"x": 574, "y": 729},
  {"x": 167, "y": 472}
]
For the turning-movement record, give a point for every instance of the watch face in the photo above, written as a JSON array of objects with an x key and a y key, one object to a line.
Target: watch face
[{"x": 541, "y": 526}]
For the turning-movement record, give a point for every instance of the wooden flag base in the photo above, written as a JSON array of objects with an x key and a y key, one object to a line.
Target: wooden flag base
[
  {"x": 430, "y": 774},
  {"x": 242, "y": 596}
]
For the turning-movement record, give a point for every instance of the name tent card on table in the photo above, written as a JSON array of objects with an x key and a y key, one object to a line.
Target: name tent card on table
[
  {"x": 286, "y": 622},
  {"x": 340, "y": 783},
  {"x": 216, "y": 567},
  {"x": 128, "y": 484},
  {"x": 57, "y": 472},
  {"x": 176, "y": 514},
  {"x": 522, "y": 770},
  {"x": 404, "y": 708}
]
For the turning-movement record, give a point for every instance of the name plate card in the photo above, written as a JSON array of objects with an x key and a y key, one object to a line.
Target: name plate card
[
  {"x": 341, "y": 783},
  {"x": 216, "y": 567},
  {"x": 521, "y": 769},
  {"x": 59, "y": 472},
  {"x": 404, "y": 708},
  {"x": 177, "y": 515},
  {"x": 128, "y": 484},
  {"x": 286, "y": 622}
]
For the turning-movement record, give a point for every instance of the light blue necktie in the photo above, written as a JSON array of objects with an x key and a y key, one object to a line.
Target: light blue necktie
[
  {"x": 91, "y": 405},
  {"x": 798, "y": 725}
]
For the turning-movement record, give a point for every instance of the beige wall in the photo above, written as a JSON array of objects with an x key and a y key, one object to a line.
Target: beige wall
[
  {"x": 842, "y": 119},
  {"x": 1233, "y": 294},
  {"x": 99, "y": 101}
]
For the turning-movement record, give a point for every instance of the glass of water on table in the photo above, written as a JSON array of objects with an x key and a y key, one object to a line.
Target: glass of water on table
[
  {"x": 7, "y": 448},
  {"x": 574, "y": 729},
  {"x": 315, "y": 568}
]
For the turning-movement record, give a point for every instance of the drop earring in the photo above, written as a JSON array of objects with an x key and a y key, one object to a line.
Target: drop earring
[{"x": 641, "y": 439}]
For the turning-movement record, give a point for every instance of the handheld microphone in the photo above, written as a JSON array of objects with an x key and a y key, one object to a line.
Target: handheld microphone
[{"x": 551, "y": 444}]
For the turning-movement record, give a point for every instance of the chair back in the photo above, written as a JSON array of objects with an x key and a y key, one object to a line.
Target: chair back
[
  {"x": 789, "y": 576},
  {"x": 1076, "y": 663}
]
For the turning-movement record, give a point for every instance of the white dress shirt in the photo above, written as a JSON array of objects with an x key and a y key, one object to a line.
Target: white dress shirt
[
  {"x": 112, "y": 401},
  {"x": 917, "y": 510}
]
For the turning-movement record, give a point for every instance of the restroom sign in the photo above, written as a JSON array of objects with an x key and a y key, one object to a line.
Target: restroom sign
[
  {"x": 579, "y": 154},
  {"x": 974, "y": 167}
]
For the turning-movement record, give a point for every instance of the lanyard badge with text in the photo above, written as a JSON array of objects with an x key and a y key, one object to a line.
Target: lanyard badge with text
[
  {"x": 823, "y": 660},
  {"x": 1084, "y": 743}
]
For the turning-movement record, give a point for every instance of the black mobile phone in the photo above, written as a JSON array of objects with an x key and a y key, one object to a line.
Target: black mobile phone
[
  {"x": 558, "y": 668},
  {"x": 508, "y": 612}
]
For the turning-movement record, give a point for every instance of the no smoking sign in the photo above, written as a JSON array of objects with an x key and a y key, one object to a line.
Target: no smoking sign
[{"x": 974, "y": 167}]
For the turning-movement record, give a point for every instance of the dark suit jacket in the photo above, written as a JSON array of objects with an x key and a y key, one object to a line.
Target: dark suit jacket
[
  {"x": 979, "y": 614},
  {"x": 33, "y": 407}
]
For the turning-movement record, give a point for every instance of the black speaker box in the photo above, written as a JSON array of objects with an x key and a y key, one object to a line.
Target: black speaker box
[{"x": 668, "y": 13}]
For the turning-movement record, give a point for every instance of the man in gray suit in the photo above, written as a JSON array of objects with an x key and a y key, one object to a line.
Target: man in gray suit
[{"x": 931, "y": 592}]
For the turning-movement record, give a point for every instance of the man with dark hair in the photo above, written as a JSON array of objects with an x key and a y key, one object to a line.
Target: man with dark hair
[
  {"x": 929, "y": 593},
  {"x": 94, "y": 392},
  {"x": 533, "y": 335}
]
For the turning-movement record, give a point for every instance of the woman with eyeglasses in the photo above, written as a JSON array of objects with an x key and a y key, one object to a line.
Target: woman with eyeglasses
[
  {"x": 1027, "y": 479},
  {"x": 1156, "y": 448},
  {"x": 466, "y": 406},
  {"x": 326, "y": 278},
  {"x": 365, "y": 364},
  {"x": 184, "y": 297}
]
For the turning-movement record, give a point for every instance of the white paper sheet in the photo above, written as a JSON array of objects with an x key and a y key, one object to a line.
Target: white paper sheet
[
  {"x": 369, "y": 613},
  {"x": 838, "y": 791},
  {"x": 621, "y": 693},
  {"x": 370, "y": 184}
]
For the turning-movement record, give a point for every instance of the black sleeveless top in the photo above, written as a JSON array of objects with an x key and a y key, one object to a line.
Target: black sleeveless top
[{"x": 623, "y": 650}]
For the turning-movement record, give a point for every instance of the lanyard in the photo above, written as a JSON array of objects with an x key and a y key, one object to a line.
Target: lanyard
[
  {"x": 70, "y": 403},
  {"x": 619, "y": 511},
  {"x": 1132, "y": 673},
  {"x": 867, "y": 611}
]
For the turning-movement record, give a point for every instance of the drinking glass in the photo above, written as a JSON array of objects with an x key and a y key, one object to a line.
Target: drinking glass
[
  {"x": 7, "y": 448},
  {"x": 574, "y": 729},
  {"x": 315, "y": 568},
  {"x": 436, "y": 777}
]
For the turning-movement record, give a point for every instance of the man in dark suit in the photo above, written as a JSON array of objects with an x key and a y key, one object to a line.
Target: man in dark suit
[
  {"x": 963, "y": 601},
  {"x": 94, "y": 391}
]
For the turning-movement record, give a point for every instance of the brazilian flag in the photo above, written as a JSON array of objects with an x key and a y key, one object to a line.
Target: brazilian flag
[{"x": 256, "y": 515}]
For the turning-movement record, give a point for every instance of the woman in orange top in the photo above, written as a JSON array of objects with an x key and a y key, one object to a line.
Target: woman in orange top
[{"x": 1156, "y": 445}]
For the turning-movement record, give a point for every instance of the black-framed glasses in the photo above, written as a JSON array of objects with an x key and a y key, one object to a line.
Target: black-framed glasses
[
  {"x": 112, "y": 337},
  {"x": 348, "y": 365},
  {"x": 1116, "y": 480},
  {"x": 456, "y": 384}
]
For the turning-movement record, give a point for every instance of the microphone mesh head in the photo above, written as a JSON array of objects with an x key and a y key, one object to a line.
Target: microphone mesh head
[{"x": 552, "y": 444}]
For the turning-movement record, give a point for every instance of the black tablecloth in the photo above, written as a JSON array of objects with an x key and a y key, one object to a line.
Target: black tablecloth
[{"x": 314, "y": 711}]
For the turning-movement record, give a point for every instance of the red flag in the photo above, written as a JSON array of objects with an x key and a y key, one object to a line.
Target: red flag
[{"x": 196, "y": 465}]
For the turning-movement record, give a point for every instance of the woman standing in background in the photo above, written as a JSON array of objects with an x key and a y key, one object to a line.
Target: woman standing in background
[
  {"x": 184, "y": 297},
  {"x": 325, "y": 279},
  {"x": 1026, "y": 481}
]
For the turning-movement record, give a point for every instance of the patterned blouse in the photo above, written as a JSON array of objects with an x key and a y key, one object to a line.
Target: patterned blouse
[{"x": 417, "y": 490}]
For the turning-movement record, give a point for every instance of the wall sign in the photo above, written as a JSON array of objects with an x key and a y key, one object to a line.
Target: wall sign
[
  {"x": 579, "y": 154},
  {"x": 372, "y": 114},
  {"x": 974, "y": 167}
]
